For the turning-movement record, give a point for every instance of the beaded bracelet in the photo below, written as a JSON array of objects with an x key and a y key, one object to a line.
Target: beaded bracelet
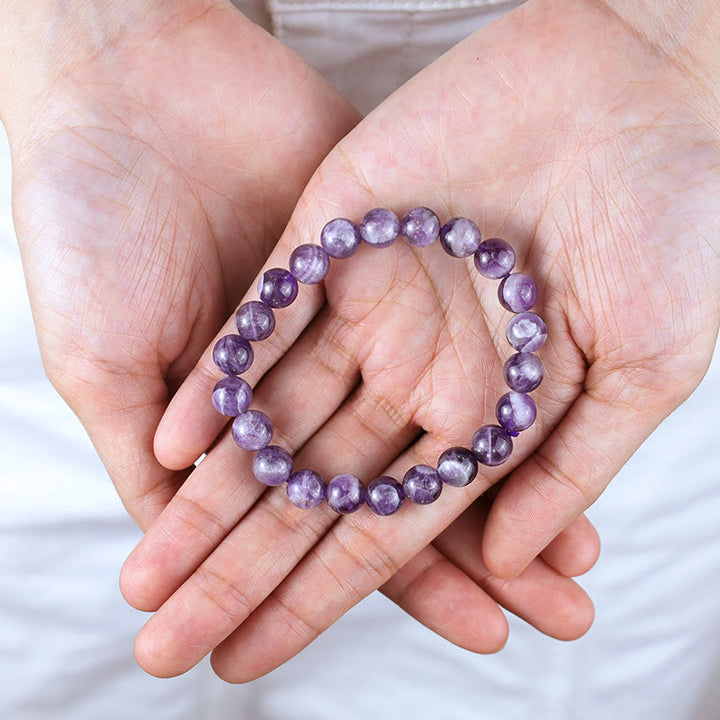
[{"x": 491, "y": 445}]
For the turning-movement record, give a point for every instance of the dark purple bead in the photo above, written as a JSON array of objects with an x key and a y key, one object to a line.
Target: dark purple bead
[
  {"x": 252, "y": 430},
  {"x": 345, "y": 494},
  {"x": 517, "y": 292},
  {"x": 233, "y": 354},
  {"x": 422, "y": 484},
  {"x": 255, "y": 320},
  {"x": 306, "y": 489},
  {"x": 309, "y": 263},
  {"x": 384, "y": 495},
  {"x": 494, "y": 258},
  {"x": 272, "y": 465},
  {"x": 460, "y": 237},
  {"x": 457, "y": 466},
  {"x": 232, "y": 396},
  {"x": 515, "y": 412},
  {"x": 492, "y": 445},
  {"x": 379, "y": 227},
  {"x": 523, "y": 372},
  {"x": 340, "y": 238},
  {"x": 526, "y": 332},
  {"x": 277, "y": 287},
  {"x": 420, "y": 227}
]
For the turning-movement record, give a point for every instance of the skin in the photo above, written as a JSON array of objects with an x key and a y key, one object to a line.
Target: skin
[
  {"x": 145, "y": 200},
  {"x": 591, "y": 143}
]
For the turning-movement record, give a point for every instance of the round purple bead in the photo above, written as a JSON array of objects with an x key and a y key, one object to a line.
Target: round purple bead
[
  {"x": 460, "y": 237},
  {"x": 526, "y": 332},
  {"x": 515, "y": 412},
  {"x": 517, "y": 292},
  {"x": 457, "y": 466},
  {"x": 523, "y": 372},
  {"x": 306, "y": 489},
  {"x": 384, "y": 495},
  {"x": 255, "y": 320},
  {"x": 379, "y": 227},
  {"x": 340, "y": 238},
  {"x": 309, "y": 263},
  {"x": 345, "y": 494},
  {"x": 494, "y": 258},
  {"x": 277, "y": 287},
  {"x": 492, "y": 445},
  {"x": 272, "y": 465},
  {"x": 252, "y": 430},
  {"x": 233, "y": 354},
  {"x": 232, "y": 396},
  {"x": 422, "y": 484},
  {"x": 420, "y": 227}
]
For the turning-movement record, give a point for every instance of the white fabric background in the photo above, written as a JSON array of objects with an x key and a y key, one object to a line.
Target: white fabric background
[{"x": 66, "y": 634}]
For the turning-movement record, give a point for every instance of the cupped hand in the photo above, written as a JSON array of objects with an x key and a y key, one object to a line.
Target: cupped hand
[
  {"x": 152, "y": 175},
  {"x": 595, "y": 151}
]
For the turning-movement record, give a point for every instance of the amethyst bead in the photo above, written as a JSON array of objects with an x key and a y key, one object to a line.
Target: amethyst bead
[
  {"x": 272, "y": 465},
  {"x": 460, "y": 237},
  {"x": 492, "y": 445},
  {"x": 277, "y": 287},
  {"x": 309, "y": 263},
  {"x": 523, "y": 372},
  {"x": 232, "y": 396},
  {"x": 255, "y": 320},
  {"x": 252, "y": 430},
  {"x": 457, "y": 466},
  {"x": 422, "y": 484},
  {"x": 384, "y": 495},
  {"x": 345, "y": 494},
  {"x": 379, "y": 227},
  {"x": 233, "y": 354},
  {"x": 526, "y": 332},
  {"x": 494, "y": 258},
  {"x": 517, "y": 292},
  {"x": 420, "y": 227},
  {"x": 340, "y": 238},
  {"x": 306, "y": 489},
  {"x": 515, "y": 412}
]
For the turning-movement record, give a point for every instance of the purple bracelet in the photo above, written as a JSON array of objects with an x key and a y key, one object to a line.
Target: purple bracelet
[{"x": 491, "y": 445}]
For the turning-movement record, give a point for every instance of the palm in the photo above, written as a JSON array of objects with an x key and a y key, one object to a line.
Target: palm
[
  {"x": 608, "y": 189},
  {"x": 146, "y": 201}
]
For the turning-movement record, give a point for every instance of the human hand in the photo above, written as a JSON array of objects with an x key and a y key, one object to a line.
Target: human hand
[{"x": 158, "y": 150}]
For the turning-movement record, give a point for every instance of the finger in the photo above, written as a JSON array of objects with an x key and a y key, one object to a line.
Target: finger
[
  {"x": 575, "y": 550},
  {"x": 543, "y": 597},
  {"x": 572, "y": 467}
]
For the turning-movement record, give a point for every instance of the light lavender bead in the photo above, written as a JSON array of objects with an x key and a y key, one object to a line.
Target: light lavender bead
[
  {"x": 422, "y": 484},
  {"x": 526, "y": 332},
  {"x": 305, "y": 489},
  {"x": 492, "y": 445},
  {"x": 515, "y": 412},
  {"x": 345, "y": 494},
  {"x": 233, "y": 354},
  {"x": 272, "y": 465},
  {"x": 232, "y": 396},
  {"x": 517, "y": 292},
  {"x": 277, "y": 287},
  {"x": 494, "y": 258},
  {"x": 252, "y": 430},
  {"x": 384, "y": 495},
  {"x": 523, "y": 372},
  {"x": 457, "y": 466},
  {"x": 340, "y": 238},
  {"x": 420, "y": 227},
  {"x": 460, "y": 237},
  {"x": 255, "y": 320},
  {"x": 379, "y": 227},
  {"x": 309, "y": 263}
]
